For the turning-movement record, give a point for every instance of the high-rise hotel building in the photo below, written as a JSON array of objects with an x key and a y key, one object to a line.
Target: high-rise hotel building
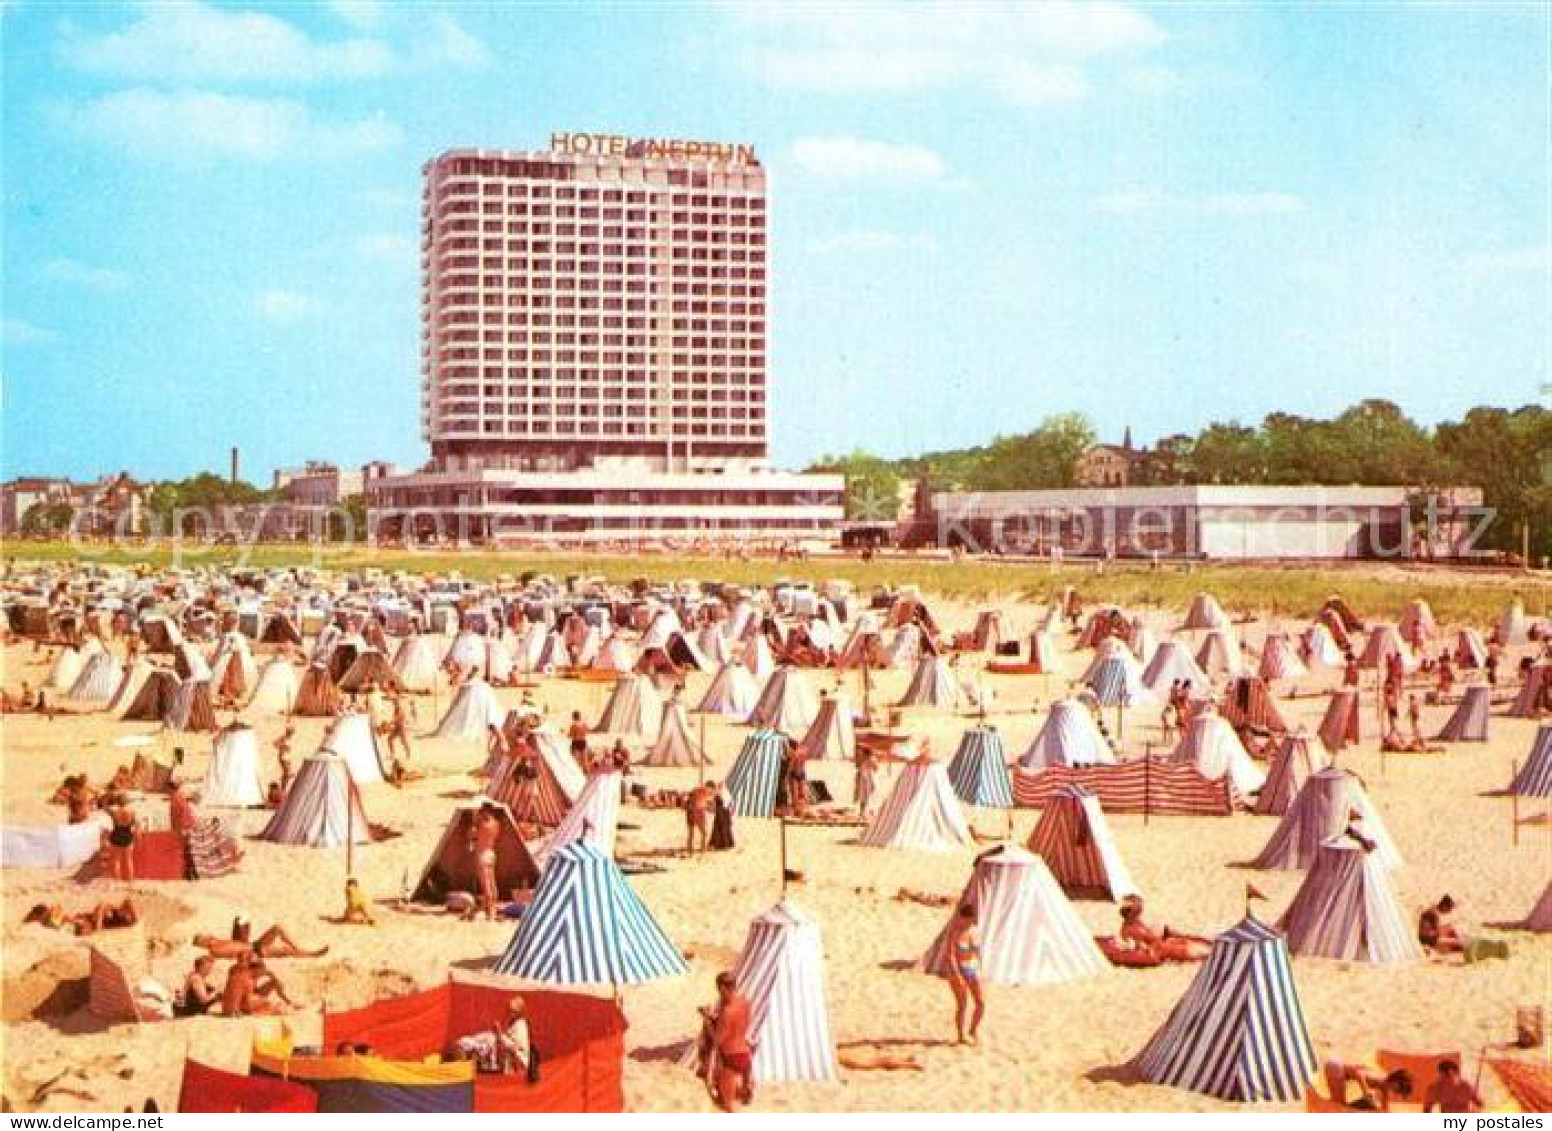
[{"x": 594, "y": 351}]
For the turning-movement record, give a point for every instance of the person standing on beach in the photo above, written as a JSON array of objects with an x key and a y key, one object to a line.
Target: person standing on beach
[
  {"x": 867, "y": 781},
  {"x": 487, "y": 831},
  {"x": 728, "y": 1024},
  {"x": 964, "y": 973}
]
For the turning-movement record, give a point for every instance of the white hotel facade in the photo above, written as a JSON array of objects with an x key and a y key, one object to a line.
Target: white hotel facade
[{"x": 594, "y": 329}]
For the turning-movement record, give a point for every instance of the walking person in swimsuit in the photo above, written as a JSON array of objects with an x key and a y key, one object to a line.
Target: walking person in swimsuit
[{"x": 964, "y": 973}]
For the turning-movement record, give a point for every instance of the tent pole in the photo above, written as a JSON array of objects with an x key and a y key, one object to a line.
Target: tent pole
[
  {"x": 784, "y": 857},
  {"x": 1147, "y": 780},
  {"x": 1514, "y": 805},
  {"x": 350, "y": 825},
  {"x": 700, "y": 762}
]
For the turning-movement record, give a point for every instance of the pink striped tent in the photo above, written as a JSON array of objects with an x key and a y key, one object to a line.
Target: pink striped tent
[
  {"x": 1322, "y": 810},
  {"x": 1296, "y": 759},
  {"x": 538, "y": 790},
  {"x": 1347, "y": 909},
  {"x": 920, "y": 813}
]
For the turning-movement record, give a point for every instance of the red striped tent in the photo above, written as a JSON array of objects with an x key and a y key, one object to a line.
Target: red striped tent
[
  {"x": 1139, "y": 786},
  {"x": 1074, "y": 839},
  {"x": 1339, "y": 727},
  {"x": 1248, "y": 702},
  {"x": 1296, "y": 759}
]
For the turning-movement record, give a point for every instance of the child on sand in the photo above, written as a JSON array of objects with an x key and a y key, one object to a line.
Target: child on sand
[{"x": 357, "y": 908}]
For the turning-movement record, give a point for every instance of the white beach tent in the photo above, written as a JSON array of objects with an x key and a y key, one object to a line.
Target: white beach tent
[
  {"x": 1295, "y": 760},
  {"x": 415, "y": 662},
  {"x": 471, "y": 714},
  {"x": 833, "y": 732},
  {"x": 594, "y": 818},
  {"x": 787, "y": 703},
  {"x": 1030, "y": 934},
  {"x": 1068, "y": 737},
  {"x": 1210, "y": 744},
  {"x": 351, "y": 737},
  {"x": 780, "y": 973},
  {"x": 277, "y": 687},
  {"x": 633, "y": 709},
  {"x": 920, "y": 813},
  {"x": 732, "y": 693},
  {"x": 322, "y": 809},
  {"x": 674, "y": 746},
  {"x": 933, "y": 684},
  {"x": 232, "y": 779}
]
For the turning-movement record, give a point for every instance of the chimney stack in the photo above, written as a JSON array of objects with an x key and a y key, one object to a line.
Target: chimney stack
[{"x": 235, "y": 465}]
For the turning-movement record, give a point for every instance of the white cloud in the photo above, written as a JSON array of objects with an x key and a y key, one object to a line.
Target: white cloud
[
  {"x": 1026, "y": 84},
  {"x": 199, "y": 43},
  {"x": 865, "y": 241},
  {"x": 859, "y": 159},
  {"x": 1518, "y": 261},
  {"x": 1029, "y": 55},
  {"x": 358, "y": 13},
  {"x": 20, "y": 332},
  {"x": 284, "y": 307},
  {"x": 196, "y": 124},
  {"x": 1139, "y": 202},
  {"x": 1153, "y": 80},
  {"x": 445, "y": 44},
  {"x": 388, "y": 248},
  {"x": 78, "y": 274}
]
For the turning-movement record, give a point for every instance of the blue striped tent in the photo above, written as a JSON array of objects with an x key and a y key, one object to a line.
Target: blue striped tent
[
  {"x": 979, "y": 771},
  {"x": 1535, "y": 777},
  {"x": 755, "y": 779},
  {"x": 1238, "y": 1033},
  {"x": 587, "y": 927},
  {"x": 1115, "y": 678}
]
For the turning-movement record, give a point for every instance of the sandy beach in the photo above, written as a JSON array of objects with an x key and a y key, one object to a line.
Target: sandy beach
[{"x": 1063, "y": 1047}]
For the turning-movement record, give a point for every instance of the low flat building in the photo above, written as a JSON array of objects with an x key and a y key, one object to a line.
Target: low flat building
[
  {"x": 1209, "y": 521},
  {"x": 594, "y": 506}
]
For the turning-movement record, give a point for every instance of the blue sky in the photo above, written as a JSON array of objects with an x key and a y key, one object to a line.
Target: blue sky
[{"x": 981, "y": 214}]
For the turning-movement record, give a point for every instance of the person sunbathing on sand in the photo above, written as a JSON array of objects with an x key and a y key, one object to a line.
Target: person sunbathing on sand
[
  {"x": 1374, "y": 1092},
  {"x": 357, "y": 908},
  {"x": 273, "y": 943},
  {"x": 1165, "y": 946}
]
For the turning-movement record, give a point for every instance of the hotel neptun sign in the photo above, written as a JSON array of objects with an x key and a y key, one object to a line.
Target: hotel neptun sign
[{"x": 662, "y": 149}]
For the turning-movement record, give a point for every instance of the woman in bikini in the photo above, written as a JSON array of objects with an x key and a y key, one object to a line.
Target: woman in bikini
[
  {"x": 119, "y": 840},
  {"x": 964, "y": 973}
]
